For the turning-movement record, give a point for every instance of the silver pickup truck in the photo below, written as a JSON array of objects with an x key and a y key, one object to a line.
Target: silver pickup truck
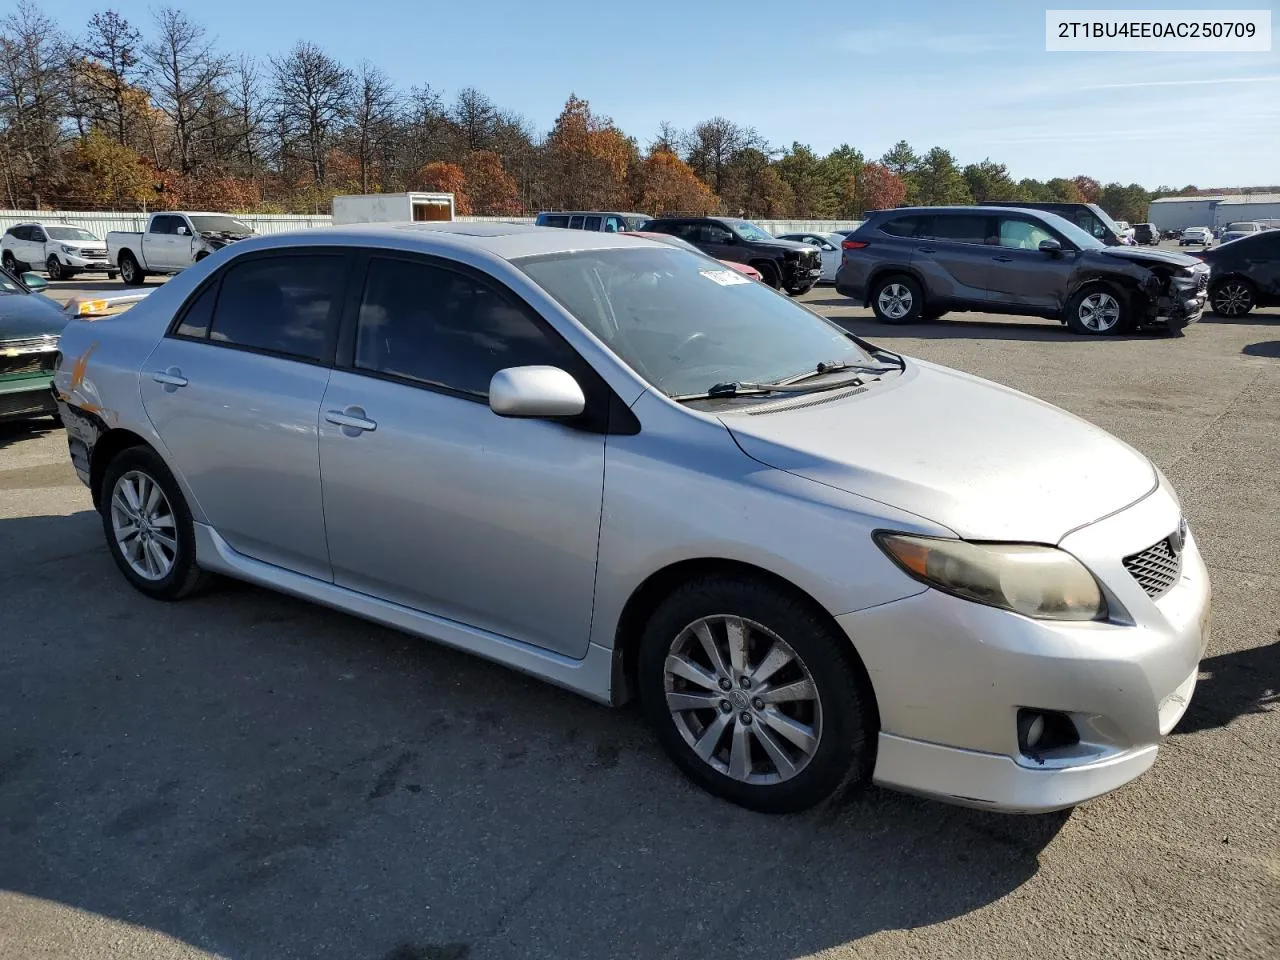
[{"x": 171, "y": 243}]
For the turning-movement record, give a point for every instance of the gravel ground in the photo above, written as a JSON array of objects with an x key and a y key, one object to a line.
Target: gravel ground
[{"x": 247, "y": 776}]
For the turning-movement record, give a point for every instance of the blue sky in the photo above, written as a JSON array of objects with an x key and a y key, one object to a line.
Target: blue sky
[{"x": 969, "y": 75}]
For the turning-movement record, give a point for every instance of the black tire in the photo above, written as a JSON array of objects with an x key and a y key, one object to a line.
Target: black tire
[
  {"x": 131, "y": 273},
  {"x": 1233, "y": 297},
  {"x": 908, "y": 295},
  {"x": 845, "y": 751},
  {"x": 769, "y": 274},
  {"x": 201, "y": 255},
  {"x": 1120, "y": 321},
  {"x": 54, "y": 269},
  {"x": 185, "y": 577},
  {"x": 799, "y": 291},
  {"x": 10, "y": 264}
]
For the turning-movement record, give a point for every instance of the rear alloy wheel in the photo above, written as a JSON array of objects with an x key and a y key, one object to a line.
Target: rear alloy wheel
[
  {"x": 54, "y": 268},
  {"x": 10, "y": 264},
  {"x": 754, "y": 696},
  {"x": 1232, "y": 298},
  {"x": 897, "y": 300},
  {"x": 1097, "y": 312},
  {"x": 130, "y": 272}
]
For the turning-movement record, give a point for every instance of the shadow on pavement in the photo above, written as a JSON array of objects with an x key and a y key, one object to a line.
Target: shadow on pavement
[
  {"x": 261, "y": 777},
  {"x": 1267, "y": 348},
  {"x": 948, "y": 329},
  {"x": 18, "y": 431},
  {"x": 1240, "y": 683}
]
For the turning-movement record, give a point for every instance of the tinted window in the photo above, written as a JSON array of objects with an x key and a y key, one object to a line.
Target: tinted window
[
  {"x": 713, "y": 233},
  {"x": 37, "y": 234},
  {"x": 961, "y": 228},
  {"x": 691, "y": 232},
  {"x": 163, "y": 224},
  {"x": 593, "y": 223},
  {"x": 281, "y": 304},
  {"x": 555, "y": 221},
  {"x": 905, "y": 226},
  {"x": 443, "y": 328},
  {"x": 575, "y": 223},
  {"x": 1022, "y": 234},
  {"x": 19, "y": 233},
  {"x": 1087, "y": 222},
  {"x": 195, "y": 320}
]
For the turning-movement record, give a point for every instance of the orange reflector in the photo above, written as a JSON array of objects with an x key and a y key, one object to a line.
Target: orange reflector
[{"x": 913, "y": 556}]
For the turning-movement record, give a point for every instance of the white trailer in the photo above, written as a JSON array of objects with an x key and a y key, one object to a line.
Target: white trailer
[{"x": 392, "y": 208}]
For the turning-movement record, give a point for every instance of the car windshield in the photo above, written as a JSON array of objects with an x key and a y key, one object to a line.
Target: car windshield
[
  {"x": 1243, "y": 227},
  {"x": 1080, "y": 237},
  {"x": 68, "y": 233},
  {"x": 684, "y": 324},
  {"x": 1107, "y": 221},
  {"x": 219, "y": 225},
  {"x": 748, "y": 230}
]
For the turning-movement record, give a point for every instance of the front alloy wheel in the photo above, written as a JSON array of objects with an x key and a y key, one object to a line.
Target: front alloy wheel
[
  {"x": 1098, "y": 312},
  {"x": 743, "y": 700},
  {"x": 144, "y": 526},
  {"x": 54, "y": 267},
  {"x": 1232, "y": 298}
]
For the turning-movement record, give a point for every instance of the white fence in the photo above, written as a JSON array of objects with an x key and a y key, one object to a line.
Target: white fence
[{"x": 100, "y": 223}]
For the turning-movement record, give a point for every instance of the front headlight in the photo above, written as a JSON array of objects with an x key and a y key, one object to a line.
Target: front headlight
[
  {"x": 66, "y": 249},
  {"x": 1041, "y": 582}
]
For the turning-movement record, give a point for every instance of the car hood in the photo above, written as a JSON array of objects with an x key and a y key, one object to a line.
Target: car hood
[
  {"x": 1138, "y": 255},
  {"x": 979, "y": 458},
  {"x": 84, "y": 244},
  {"x": 783, "y": 245},
  {"x": 25, "y": 315}
]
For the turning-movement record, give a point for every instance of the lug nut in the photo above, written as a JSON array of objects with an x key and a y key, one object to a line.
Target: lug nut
[
  {"x": 726, "y": 706},
  {"x": 758, "y": 703},
  {"x": 725, "y": 683},
  {"x": 745, "y": 718},
  {"x": 746, "y": 683}
]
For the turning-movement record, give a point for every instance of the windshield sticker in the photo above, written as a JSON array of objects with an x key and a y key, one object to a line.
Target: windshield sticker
[{"x": 726, "y": 278}]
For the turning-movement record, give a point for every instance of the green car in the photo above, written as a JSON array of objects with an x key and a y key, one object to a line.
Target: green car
[{"x": 30, "y": 327}]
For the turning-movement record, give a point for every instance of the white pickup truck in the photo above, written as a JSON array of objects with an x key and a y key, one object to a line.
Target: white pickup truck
[{"x": 171, "y": 243}]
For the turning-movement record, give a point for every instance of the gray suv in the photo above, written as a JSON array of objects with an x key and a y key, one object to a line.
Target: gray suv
[{"x": 917, "y": 263}]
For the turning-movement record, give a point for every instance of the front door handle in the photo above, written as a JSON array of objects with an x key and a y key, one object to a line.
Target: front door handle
[
  {"x": 352, "y": 420},
  {"x": 170, "y": 378},
  {"x": 1003, "y": 259}
]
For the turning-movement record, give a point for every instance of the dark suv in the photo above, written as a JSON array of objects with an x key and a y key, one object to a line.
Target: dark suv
[
  {"x": 1246, "y": 273},
  {"x": 794, "y": 267},
  {"x": 919, "y": 262}
]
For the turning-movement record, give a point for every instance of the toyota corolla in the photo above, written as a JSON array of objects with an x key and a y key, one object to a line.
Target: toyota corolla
[{"x": 628, "y": 470}]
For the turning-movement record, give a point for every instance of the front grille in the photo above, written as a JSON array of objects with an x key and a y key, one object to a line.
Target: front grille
[
  {"x": 28, "y": 403},
  {"x": 28, "y": 343},
  {"x": 1156, "y": 568},
  {"x": 28, "y": 363}
]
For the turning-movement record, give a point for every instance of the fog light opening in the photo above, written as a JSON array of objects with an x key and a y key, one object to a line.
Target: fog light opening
[{"x": 1042, "y": 731}]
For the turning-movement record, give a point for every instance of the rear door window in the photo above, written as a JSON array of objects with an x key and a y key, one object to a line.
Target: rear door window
[
  {"x": 911, "y": 226},
  {"x": 555, "y": 221},
  {"x": 285, "y": 305},
  {"x": 592, "y": 223},
  {"x": 575, "y": 223},
  {"x": 960, "y": 228}
]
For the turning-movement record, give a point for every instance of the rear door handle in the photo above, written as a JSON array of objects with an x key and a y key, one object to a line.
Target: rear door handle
[
  {"x": 1003, "y": 259},
  {"x": 352, "y": 420},
  {"x": 170, "y": 378}
]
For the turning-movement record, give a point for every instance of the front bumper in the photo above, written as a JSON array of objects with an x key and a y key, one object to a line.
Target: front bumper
[
  {"x": 27, "y": 397},
  {"x": 87, "y": 264},
  {"x": 800, "y": 273},
  {"x": 950, "y": 677}
]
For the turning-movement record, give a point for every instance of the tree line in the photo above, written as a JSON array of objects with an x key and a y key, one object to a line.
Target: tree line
[{"x": 126, "y": 116}]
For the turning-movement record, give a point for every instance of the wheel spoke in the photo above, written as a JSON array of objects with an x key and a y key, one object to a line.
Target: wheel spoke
[
  {"x": 781, "y": 762},
  {"x": 711, "y": 736},
  {"x": 157, "y": 560},
  {"x": 795, "y": 731},
  {"x": 169, "y": 543},
  {"x": 678, "y": 700},
  {"x": 736, "y": 632},
  {"x": 774, "y": 660},
  {"x": 740, "y": 752},
  {"x": 702, "y": 630},
  {"x": 164, "y": 520},
  {"x": 125, "y": 531},
  {"x": 688, "y": 670},
  {"x": 152, "y": 498},
  {"x": 800, "y": 690},
  {"x": 130, "y": 493}
]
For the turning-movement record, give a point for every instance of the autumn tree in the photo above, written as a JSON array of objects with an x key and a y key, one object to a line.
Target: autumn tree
[
  {"x": 311, "y": 96},
  {"x": 881, "y": 189},
  {"x": 1089, "y": 188},
  {"x": 101, "y": 172},
  {"x": 441, "y": 177},
  {"x": 666, "y": 184},
  {"x": 753, "y": 187},
  {"x": 588, "y": 158},
  {"x": 491, "y": 191},
  {"x": 1062, "y": 190}
]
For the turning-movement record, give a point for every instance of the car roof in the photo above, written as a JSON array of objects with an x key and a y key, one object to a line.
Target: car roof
[
  {"x": 508, "y": 241},
  {"x": 984, "y": 209}
]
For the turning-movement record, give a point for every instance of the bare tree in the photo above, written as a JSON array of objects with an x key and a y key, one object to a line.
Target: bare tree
[
  {"x": 185, "y": 76},
  {"x": 33, "y": 78},
  {"x": 373, "y": 121},
  {"x": 668, "y": 138},
  {"x": 475, "y": 117},
  {"x": 311, "y": 97},
  {"x": 114, "y": 49},
  {"x": 711, "y": 146},
  {"x": 246, "y": 93}
]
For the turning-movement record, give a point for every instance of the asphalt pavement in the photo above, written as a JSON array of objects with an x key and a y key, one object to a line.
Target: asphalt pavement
[{"x": 244, "y": 775}]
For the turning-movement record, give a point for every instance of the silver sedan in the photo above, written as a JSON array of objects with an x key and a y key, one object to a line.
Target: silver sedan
[{"x": 623, "y": 468}]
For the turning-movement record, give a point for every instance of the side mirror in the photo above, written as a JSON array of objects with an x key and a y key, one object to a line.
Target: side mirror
[
  {"x": 182, "y": 231},
  {"x": 535, "y": 392},
  {"x": 1051, "y": 247},
  {"x": 35, "y": 283}
]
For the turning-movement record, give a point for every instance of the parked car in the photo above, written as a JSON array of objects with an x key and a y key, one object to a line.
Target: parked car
[
  {"x": 829, "y": 246},
  {"x": 172, "y": 242},
  {"x": 817, "y": 563},
  {"x": 742, "y": 268},
  {"x": 1089, "y": 217},
  {"x": 1245, "y": 273},
  {"x": 606, "y": 220},
  {"x": 784, "y": 264},
  {"x": 64, "y": 251},
  {"x": 1146, "y": 234},
  {"x": 1170, "y": 234},
  {"x": 30, "y": 325},
  {"x": 1235, "y": 231},
  {"x": 1195, "y": 236},
  {"x": 919, "y": 262}
]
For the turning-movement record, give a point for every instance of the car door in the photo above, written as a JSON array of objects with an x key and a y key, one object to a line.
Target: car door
[
  {"x": 33, "y": 246},
  {"x": 955, "y": 258},
  {"x": 431, "y": 500},
  {"x": 1261, "y": 263},
  {"x": 717, "y": 240},
  {"x": 1023, "y": 275},
  {"x": 157, "y": 244},
  {"x": 234, "y": 392}
]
